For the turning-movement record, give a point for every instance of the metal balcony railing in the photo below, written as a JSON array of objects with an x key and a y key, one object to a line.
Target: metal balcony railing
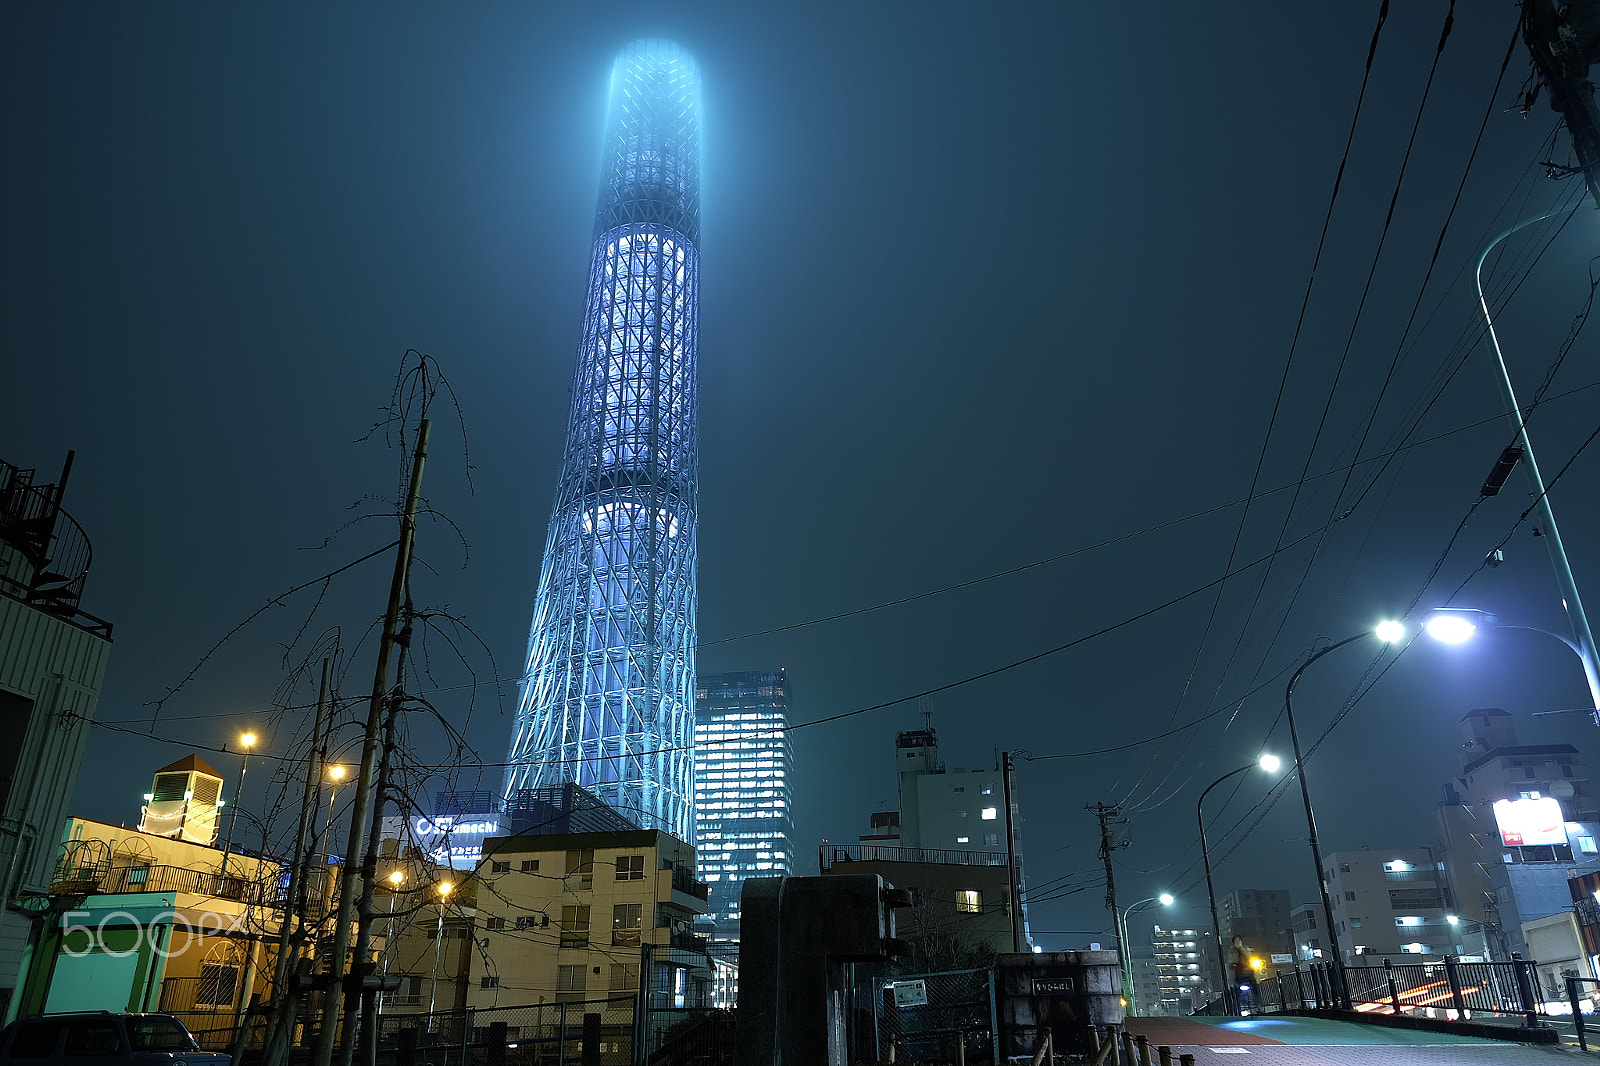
[{"x": 832, "y": 854}]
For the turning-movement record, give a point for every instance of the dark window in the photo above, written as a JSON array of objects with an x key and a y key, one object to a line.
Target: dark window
[
  {"x": 494, "y": 923},
  {"x": 217, "y": 984},
  {"x": 575, "y": 926},
  {"x": 529, "y": 921},
  {"x": 530, "y": 866},
  {"x": 1350, "y": 897},
  {"x": 96, "y": 1036},
  {"x": 489, "y": 982},
  {"x": 36, "y": 1040},
  {"x": 582, "y": 864},
  {"x": 159, "y": 1034},
  {"x": 630, "y": 867},
  {"x": 1344, "y": 867},
  {"x": 498, "y": 867}
]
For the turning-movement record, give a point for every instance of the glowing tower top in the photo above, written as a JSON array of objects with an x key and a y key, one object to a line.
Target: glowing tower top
[{"x": 607, "y": 696}]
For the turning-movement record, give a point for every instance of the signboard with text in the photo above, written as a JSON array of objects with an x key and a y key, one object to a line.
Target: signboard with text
[
  {"x": 910, "y": 993},
  {"x": 1530, "y": 822},
  {"x": 1052, "y": 986}
]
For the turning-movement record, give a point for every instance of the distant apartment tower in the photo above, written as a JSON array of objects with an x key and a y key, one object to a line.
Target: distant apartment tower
[
  {"x": 1516, "y": 824},
  {"x": 743, "y": 791},
  {"x": 960, "y": 809},
  {"x": 52, "y": 660},
  {"x": 1395, "y": 903},
  {"x": 946, "y": 843},
  {"x": 1185, "y": 964},
  {"x": 1260, "y": 917}
]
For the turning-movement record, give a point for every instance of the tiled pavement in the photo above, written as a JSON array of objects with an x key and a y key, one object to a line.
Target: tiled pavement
[{"x": 1283, "y": 1041}]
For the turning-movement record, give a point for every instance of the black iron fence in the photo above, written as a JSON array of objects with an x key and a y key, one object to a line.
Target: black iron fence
[
  {"x": 1451, "y": 990},
  {"x": 534, "y": 1035}
]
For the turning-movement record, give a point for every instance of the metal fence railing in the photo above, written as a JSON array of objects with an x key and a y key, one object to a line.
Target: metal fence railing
[
  {"x": 1451, "y": 990},
  {"x": 535, "y": 1035}
]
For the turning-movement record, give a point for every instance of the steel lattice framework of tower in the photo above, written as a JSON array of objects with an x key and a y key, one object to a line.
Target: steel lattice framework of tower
[{"x": 607, "y": 698}]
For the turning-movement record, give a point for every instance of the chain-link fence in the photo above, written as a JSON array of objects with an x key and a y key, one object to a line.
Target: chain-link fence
[{"x": 930, "y": 1017}]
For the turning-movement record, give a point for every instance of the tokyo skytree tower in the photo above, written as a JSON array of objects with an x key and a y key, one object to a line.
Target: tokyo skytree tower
[{"x": 607, "y": 698}]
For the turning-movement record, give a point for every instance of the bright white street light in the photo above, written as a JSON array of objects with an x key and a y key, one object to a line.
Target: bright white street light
[
  {"x": 1450, "y": 628},
  {"x": 1165, "y": 898},
  {"x": 1269, "y": 763},
  {"x": 1389, "y": 632},
  {"x": 1453, "y": 920}
]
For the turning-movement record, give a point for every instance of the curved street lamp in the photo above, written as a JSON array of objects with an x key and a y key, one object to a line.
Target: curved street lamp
[
  {"x": 1270, "y": 764},
  {"x": 1166, "y": 900},
  {"x": 1584, "y": 644},
  {"x": 1457, "y": 625},
  {"x": 1388, "y": 632}
]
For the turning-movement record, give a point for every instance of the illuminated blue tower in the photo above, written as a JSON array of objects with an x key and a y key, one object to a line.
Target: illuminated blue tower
[{"x": 607, "y": 698}]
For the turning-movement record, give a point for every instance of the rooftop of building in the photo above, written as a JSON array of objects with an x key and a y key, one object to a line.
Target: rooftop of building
[{"x": 1517, "y": 751}]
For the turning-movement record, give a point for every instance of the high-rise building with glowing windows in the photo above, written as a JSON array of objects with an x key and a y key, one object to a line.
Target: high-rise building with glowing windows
[
  {"x": 743, "y": 781},
  {"x": 606, "y": 698}
]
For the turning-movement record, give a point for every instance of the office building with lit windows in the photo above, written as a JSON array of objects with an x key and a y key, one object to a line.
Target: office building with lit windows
[{"x": 743, "y": 787}]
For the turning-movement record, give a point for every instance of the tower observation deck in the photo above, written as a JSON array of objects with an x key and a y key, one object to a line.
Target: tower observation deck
[{"x": 607, "y": 696}]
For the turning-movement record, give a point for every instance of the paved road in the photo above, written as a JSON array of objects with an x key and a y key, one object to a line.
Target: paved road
[{"x": 1281, "y": 1041}]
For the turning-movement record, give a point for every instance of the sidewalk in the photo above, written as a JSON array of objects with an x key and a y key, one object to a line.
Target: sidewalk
[{"x": 1288, "y": 1041}]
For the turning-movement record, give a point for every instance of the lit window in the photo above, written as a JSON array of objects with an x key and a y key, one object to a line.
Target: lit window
[
  {"x": 969, "y": 901},
  {"x": 963, "y": 840},
  {"x": 990, "y": 813}
]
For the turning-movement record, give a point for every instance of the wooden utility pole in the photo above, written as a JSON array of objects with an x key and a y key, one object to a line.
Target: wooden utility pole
[
  {"x": 350, "y": 871},
  {"x": 1563, "y": 37}
]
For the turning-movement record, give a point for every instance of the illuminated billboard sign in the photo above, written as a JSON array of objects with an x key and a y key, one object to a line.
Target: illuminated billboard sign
[
  {"x": 454, "y": 840},
  {"x": 1530, "y": 822}
]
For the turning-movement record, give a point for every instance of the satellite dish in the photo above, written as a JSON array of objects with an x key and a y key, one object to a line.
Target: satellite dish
[{"x": 1561, "y": 789}]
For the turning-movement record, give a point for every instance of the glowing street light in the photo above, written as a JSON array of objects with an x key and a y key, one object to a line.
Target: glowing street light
[
  {"x": 1457, "y": 625},
  {"x": 335, "y": 774},
  {"x": 443, "y": 888},
  {"x": 1166, "y": 900},
  {"x": 246, "y": 742},
  {"x": 1269, "y": 763}
]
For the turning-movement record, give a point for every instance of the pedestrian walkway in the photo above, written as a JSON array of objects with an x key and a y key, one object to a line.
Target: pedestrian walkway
[{"x": 1278, "y": 1040}]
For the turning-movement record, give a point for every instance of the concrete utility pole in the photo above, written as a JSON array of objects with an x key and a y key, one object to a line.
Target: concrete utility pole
[
  {"x": 1563, "y": 37},
  {"x": 350, "y": 871},
  {"x": 1012, "y": 880},
  {"x": 276, "y": 1042},
  {"x": 1108, "y": 817}
]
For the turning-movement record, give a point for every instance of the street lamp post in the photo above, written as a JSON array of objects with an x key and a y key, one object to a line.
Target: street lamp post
[
  {"x": 1270, "y": 764},
  {"x": 335, "y": 774},
  {"x": 246, "y": 742},
  {"x": 1584, "y": 643},
  {"x": 1456, "y": 625},
  {"x": 396, "y": 879},
  {"x": 1166, "y": 900},
  {"x": 1386, "y": 632},
  {"x": 443, "y": 888}
]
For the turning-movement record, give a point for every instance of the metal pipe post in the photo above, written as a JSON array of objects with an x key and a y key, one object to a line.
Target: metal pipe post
[{"x": 1576, "y": 617}]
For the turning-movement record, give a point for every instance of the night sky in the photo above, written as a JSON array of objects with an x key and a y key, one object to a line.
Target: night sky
[{"x": 980, "y": 287}]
